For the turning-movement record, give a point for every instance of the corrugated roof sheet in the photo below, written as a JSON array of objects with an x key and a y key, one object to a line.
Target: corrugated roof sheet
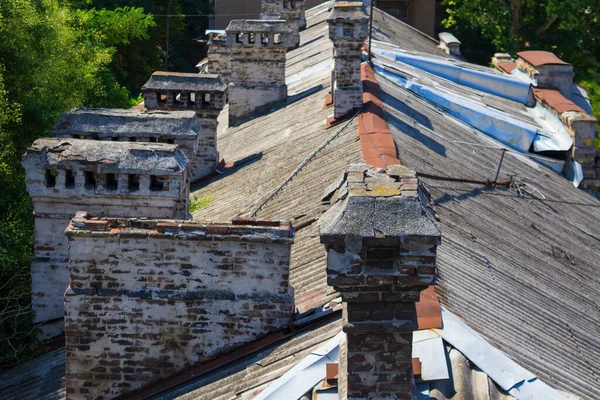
[
  {"x": 40, "y": 379},
  {"x": 522, "y": 271}
]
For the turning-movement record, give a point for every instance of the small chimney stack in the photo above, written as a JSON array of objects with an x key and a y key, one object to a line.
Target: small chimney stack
[
  {"x": 292, "y": 11},
  {"x": 257, "y": 67},
  {"x": 549, "y": 71},
  {"x": 202, "y": 93},
  {"x": 348, "y": 29},
  {"x": 381, "y": 237},
  {"x": 449, "y": 44},
  {"x": 219, "y": 56}
]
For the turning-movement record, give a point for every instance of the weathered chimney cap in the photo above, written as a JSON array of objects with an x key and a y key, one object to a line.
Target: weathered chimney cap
[
  {"x": 348, "y": 11},
  {"x": 185, "y": 81},
  {"x": 258, "y": 26},
  {"x": 539, "y": 58},
  {"x": 113, "y": 157},
  {"x": 110, "y": 122},
  {"x": 375, "y": 204}
]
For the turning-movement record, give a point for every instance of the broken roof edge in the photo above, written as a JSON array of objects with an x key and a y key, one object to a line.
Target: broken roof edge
[
  {"x": 415, "y": 30},
  {"x": 510, "y": 376}
]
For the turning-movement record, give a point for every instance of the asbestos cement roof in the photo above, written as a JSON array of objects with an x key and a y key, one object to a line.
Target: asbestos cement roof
[
  {"x": 125, "y": 157},
  {"x": 519, "y": 265},
  {"x": 104, "y": 122}
]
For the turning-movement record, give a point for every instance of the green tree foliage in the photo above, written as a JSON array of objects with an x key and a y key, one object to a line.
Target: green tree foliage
[
  {"x": 570, "y": 28},
  {"x": 52, "y": 58},
  {"x": 135, "y": 61}
]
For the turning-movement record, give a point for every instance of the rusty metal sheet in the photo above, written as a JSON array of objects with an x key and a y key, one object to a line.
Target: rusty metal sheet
[
  {"x": 538, "y": 58},
  {"x": 429, "y": 311}
]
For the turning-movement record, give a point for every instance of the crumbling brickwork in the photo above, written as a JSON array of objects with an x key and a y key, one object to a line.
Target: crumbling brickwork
[
  {"x": 290, "y": 11},
  {"x": 219, "y": 56},
  {"x": 121, "y": 180},
  {"x": 202, "y": 93},
  {"x": 348, "y": 29},
  {"x": 381, "y": 238},
  {"x": 149, "y": 298},
  {"x": 258, "y": 49}
]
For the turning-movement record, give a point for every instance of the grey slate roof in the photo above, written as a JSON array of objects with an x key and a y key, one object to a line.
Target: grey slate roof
[
  {"x": 125, "y": 157},
  {"x": 178, "y": 81},
  {"x": 104, "y": 122}
]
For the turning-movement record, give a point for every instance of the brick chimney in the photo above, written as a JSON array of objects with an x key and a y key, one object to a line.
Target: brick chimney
[
  {"x": 121, "y": 180},
  {"x": 292, "y": 11},
  {"x": 348, "y": 29},
  {"x": 381, "y": 237},
  {"x": 148, "y": 299},
  {"x": 257, "y": 67},
  {"x": 201, "y": 93},
  {"x": 219, "y": 55},
  {"x": 549, "y": 71}
]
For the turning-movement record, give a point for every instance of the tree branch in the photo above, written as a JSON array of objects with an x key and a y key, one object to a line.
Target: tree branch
[{"x": 546, "y": 26}]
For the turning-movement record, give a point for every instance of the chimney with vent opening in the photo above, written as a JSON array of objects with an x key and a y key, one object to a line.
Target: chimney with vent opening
[
  {"x": 122, "y": 179},
  {"x": 292, "y": 11},
  {"x": 258, "y": 49},
  {"x": 202, "y": 93},
  {"x": 381, "y": 237},
  {"x": 348, "y": 29}
]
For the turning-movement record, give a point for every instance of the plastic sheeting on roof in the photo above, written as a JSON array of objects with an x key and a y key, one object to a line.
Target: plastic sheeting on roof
[
  {"x": 504, "y": 86},
  {"x": 509, "y": 375},
  {"x": 428, "y": 347},
  {"x": 497, "y": 124},
  {"x": 304, "y": 376}
]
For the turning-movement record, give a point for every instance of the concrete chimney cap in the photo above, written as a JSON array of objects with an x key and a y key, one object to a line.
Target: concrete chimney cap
[
  {"x": 123, "y": 157},
  {"x": 449, "y": 38},
  {"x": 185, "y": 82},
  {"x": 258, "y": 26},
  {"x": 372, "y": 204},
  {"x": 348, "y": 11}
]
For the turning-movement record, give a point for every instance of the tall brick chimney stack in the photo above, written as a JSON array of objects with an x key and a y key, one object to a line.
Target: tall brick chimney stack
[
  {"x": 202, "y": 93},
  {"x": 381, "y": 237},
  {"x": 348, "y": 29},
  {"x": 291, "y": 11},
  {"x": 257, "y": 67},
  {"x": 219, "y": 56}
]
